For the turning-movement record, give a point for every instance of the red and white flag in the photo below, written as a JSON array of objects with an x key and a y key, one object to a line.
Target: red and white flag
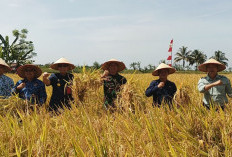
[{"x": 169, "y": 59}]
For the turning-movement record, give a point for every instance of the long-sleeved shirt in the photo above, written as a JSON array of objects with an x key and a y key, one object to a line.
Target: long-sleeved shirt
[
  {"x": 167, "y": 92},
  {"x": 34, "y": 91},
  {"x": 112, "y": 87},
  {"x": 216, "y": 94},
  {"x": 61, "y": 91},
  {"x": 6, "y": 84}
]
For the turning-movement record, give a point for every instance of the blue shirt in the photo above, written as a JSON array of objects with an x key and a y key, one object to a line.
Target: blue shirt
[
  {"x": 167, "y": 92},
  {"x": 34, "y": 91},
  {"x": 61, "y": 92},
  {"x": 6, "y": 84},
  {"x": 216, "y": 94}
]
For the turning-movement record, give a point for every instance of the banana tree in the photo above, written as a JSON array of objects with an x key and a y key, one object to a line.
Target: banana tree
[{"x": 19, "y": 51}]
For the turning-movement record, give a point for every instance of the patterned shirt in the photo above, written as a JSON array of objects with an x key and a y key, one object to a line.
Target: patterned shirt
[
  {"x": 61, "y": 92},
  {"x": 217, "y": 93},
  {"x": 167, "y": 92},
  {"x": 34, "y": 91},
  {"x": 6, "y": 84},
  {"x": 112, "y": 87}
]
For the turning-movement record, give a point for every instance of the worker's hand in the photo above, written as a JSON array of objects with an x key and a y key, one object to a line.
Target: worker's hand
[
  {"x": 21, "y": 86},
  {"x": 161, "y": 85},
  {"x": 106, "y": 73},
  {"x": 45, "y": 75}
]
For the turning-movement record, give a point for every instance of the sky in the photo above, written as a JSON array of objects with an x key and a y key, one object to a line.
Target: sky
[{"x": 85, "y": 31}]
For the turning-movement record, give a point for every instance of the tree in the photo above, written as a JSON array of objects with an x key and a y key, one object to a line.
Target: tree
[
  {"x": 178, "y": 67},
  {"x": 133, "y": 65},
  {"x": 136, "y": 66},
  {"x": 162, "y": 61},
  {"x": 220, "y": 57},
  {"x": 19, "y": 51},
  {"x": 197, "y": 57},
  {"x": 150, "y": 67},
  {"x": 183, "y": 54},
  {"x": 96, "y": 65},
  {"x": 139, "y": 66}
]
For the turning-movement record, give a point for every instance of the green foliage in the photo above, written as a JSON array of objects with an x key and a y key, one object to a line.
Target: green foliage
[
  {"x": 96, "y": 65},
  {"x": 162, "y": 61},
  {"x": 183, "y": 54},
  {"x": 220, "y": 56},
  {"x": 197, "y": 57},
  {"x": 136, "y": 66},
  {"x": 20, "y": 51}
]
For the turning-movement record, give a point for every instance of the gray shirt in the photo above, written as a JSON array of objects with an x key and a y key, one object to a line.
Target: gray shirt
[{"x": 217, "y": 93}]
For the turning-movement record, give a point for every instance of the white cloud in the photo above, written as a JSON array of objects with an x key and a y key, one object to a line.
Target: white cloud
[{"x": 86, "y": 19}]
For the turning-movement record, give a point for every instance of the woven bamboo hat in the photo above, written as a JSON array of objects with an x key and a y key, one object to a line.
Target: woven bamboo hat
[
  {"x": 121, "y": 65},
  {"x": 6, "y": 67},
  {"x": 171, "y": 70},
  {"x": 220, "y": 66},
  {"x": 21, "y": 70},
  {"x": 62, "y": 61}
]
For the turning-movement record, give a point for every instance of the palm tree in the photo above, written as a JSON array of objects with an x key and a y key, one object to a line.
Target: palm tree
[
  {"x": 197, "y": 57},
  {"x": 220, "y": 57},
  {"x": 182, "y": 54}
]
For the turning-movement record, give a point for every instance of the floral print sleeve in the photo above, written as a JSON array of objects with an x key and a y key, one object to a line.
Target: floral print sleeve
[{"x": 6, "y": 84}]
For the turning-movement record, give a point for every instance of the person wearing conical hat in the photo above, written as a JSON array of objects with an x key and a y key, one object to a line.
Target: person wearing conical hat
[
  {"x": 61, "y": 90},
  {"x": 162, "y": 89},
  {"x": 113, "y": 81},
  {"x": 215, "y": 87},
  {"x": 30, "y": 87},
  {"x": 6, "y": 83}
]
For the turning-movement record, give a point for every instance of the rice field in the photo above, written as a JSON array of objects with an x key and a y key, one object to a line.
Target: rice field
[{"x": 135, "y": 129}]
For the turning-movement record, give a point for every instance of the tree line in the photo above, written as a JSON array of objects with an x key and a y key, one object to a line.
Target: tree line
[
  {"x": 196, "y": 57},
  {"x": 21, "y": 51}
]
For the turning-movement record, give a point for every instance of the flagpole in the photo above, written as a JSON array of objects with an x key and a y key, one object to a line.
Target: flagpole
[
  {"x": 169, "y": 59},
  {"x": 171, "y": 52}
]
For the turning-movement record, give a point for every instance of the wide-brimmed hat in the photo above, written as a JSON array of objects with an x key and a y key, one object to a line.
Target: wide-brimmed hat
[
  {"x": 162, "y": 66},
  {"x": 21, "y": 70},
  {"x": 121, "y": 65},
  {"x": 3, "y": 63},
  {"x": 62, "y": 61},
  {"x": 203, "y": 67}
]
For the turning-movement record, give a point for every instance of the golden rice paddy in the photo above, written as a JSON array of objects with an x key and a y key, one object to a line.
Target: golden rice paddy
[{"x": 135, "y": 129}]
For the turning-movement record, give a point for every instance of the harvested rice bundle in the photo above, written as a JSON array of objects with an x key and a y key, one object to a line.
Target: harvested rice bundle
[
  {"x": 85, "y": 83},
  {"x": 182, "y": 95},
  {"x": 129, "y": 99}
]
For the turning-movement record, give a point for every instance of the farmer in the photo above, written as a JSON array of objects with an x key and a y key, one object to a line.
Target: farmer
[
  {"x": 162, "y": 89},
  {"x": 112, "y": 81},
  {"x": 6, "y": 83},
  {"x": 30, "y": 88},
  {"x": 215, "y": 87},
  {"x": 61, "y": 93}
]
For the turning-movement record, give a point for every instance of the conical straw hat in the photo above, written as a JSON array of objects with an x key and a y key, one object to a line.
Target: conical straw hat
[
  {"x": 62, "y": 61},
  {"x": 203, "y": 67},
  {"x": 121, "y": 65},
  {"x": 171, "y": 70},
  {"x": 21, "y": 70},
  {"x": 3, "y": 63}
]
